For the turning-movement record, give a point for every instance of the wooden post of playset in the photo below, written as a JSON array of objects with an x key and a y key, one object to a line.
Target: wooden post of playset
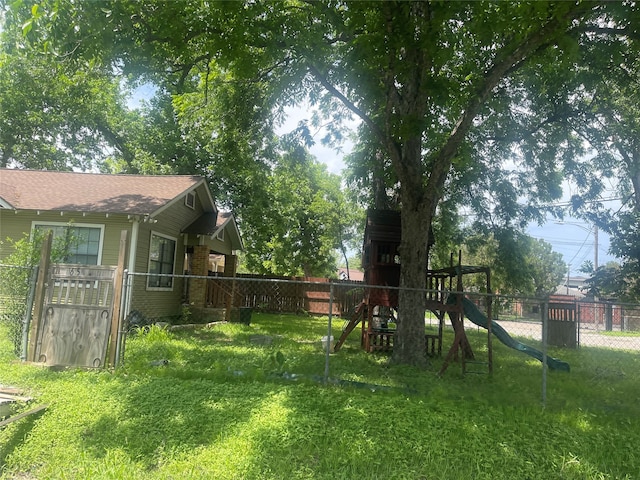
[
  {"x": 455, "y": 315},
  {"x": 461, "y": 342}
]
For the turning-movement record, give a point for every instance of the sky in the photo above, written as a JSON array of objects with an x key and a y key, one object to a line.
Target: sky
[{"x": 574, "y": 239}]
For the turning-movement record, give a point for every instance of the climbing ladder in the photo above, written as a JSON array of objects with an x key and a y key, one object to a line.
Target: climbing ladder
[{"x": 352, "y": 322}]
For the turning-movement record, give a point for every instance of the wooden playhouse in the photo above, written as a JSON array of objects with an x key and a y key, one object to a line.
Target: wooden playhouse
[{"x": 377, "y": 312}]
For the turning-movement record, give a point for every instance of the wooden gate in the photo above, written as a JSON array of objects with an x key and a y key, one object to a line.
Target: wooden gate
[
  {"x": 76, "y": 312},
  {"x": 76, "y": 316}
]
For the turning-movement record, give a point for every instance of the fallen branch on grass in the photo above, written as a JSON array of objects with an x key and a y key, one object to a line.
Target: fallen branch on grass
[{"x": 22, "y": 415}]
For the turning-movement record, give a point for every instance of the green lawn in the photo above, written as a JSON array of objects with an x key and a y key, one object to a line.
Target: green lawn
[{"x": 227, "y": 406}]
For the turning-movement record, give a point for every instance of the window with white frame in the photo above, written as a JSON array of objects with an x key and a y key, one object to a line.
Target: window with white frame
[
  {"x": 162, "y": 255},
  {"x": 78, "y": 243},
  {"x": 190, "y": 200}
]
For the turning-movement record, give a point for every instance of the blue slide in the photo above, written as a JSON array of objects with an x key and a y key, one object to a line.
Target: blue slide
[{"x": 476, "y": 316}]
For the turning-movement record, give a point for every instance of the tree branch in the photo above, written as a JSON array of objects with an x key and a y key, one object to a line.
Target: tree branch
[
  {"x": 348, "y": 103},
  {"x": 511, "y": 61}
]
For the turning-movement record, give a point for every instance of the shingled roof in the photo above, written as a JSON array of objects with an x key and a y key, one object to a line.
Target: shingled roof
[{"x": 92, "y": 192}]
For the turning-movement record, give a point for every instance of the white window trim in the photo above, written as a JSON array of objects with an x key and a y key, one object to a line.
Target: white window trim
[
  {"x": 35, "y": 223},
  {"x": 220, "y": 235},
  {"x": 175, "y": 251},
  {"x": 190, "y": 204}
]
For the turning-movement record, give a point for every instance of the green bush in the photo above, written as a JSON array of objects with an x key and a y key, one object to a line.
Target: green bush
[
  {"x": 16, "y": 279},
  {"x": 15, "y": 282}
]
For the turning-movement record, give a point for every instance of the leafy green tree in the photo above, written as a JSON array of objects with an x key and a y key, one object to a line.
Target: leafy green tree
[
  {"x": 434, "y": 82},
  {"x": 307, "y": 219},
  {"x": 520, "y": 264},
  {"x": 609, "y": 282},
  {"x": 602, "y": 111},
  {"x": 56, "y": 117},
  {"x": 546, "y": 266},
  {"x": 293, "y": 213}
]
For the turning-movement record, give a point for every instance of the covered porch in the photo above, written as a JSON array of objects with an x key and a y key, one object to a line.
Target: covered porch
[{"x": 211, "y": 246}]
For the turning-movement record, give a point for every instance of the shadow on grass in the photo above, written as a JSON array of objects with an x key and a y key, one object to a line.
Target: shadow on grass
[
  {"x": 201, "y": 410},
  {"x": 18, "y": 432}
]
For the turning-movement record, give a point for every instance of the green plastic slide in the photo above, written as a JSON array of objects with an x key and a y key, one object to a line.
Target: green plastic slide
[{"x": 472, "y": 312}]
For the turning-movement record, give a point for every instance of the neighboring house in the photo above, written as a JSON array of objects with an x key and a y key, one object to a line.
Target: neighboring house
[
  {"x": 572, "y": 286},
  {"x": 172, "y": 225},
  {"x": 351, "y": 274}
]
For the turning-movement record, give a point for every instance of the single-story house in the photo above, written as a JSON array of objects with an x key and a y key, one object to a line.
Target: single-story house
[{"x": 172, "y": 224}]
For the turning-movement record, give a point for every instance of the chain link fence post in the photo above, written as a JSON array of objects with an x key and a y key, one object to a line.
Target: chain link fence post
[
  {"x": 545, "y": 329},
  {"x": 329, "y": 342}
]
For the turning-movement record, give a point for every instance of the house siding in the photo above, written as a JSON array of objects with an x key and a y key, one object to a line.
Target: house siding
[
  {"x": 16, "y": 225},
  {"x": 158, "y": 304},
  {"x": 220, "y": 246},
  {"x": 12, "y": 226}
]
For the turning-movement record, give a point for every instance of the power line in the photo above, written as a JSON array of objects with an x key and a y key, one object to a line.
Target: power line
[
  {"x": 562, "y": 242},
  {"x": 570, "y": 204},
  {"x": 559, "y": 204}
]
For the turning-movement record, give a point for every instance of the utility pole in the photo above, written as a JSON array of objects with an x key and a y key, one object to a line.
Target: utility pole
[
  {"x": 593, "y": 230},
  {"x": 595, "y": 245}
]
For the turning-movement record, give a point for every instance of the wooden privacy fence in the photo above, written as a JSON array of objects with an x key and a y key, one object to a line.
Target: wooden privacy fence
[
  {"x": 283, "y": 294},
  {"x": 77, "y": 316},
  {"x": 563, "y": 324}
]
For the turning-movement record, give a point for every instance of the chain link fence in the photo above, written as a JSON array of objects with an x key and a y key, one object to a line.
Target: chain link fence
[
  {"x": 205, "y": 299},
  {"x": 603, "y": 324},
  {"x": 17, "y": 288},
  {"x": 573, "y": 322},
  {"x": 199, "y": 300}
]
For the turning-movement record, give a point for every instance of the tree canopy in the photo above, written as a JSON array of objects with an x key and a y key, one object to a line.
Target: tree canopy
[
  {"x": 463, "y": 102},
  {"x": 520, "y": 264},
  {"x": 65, "y": 111}
]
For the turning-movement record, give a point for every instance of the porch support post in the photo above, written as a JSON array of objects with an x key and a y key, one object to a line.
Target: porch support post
[{"x": 200, "y": 268}]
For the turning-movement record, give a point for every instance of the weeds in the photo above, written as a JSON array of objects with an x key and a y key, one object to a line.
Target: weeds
[{"x": 222, "y": 407}]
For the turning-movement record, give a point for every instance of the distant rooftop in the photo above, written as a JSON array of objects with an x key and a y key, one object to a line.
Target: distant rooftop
[{"x": 351, "y": 274}]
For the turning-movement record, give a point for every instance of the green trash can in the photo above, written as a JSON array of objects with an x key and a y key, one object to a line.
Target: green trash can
[{"x": 241, "y": 315}]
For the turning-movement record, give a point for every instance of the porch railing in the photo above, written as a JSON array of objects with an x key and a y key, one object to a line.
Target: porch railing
[{"x": 283, "y": 294}]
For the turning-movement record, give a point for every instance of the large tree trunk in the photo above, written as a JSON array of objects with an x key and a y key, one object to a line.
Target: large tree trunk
[
  {"x": 409, "y": 343},
  {"x": 417, "y": 211}
]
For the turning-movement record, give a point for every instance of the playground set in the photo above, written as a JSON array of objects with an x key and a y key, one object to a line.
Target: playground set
[{"x": 376, "y": 312}]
